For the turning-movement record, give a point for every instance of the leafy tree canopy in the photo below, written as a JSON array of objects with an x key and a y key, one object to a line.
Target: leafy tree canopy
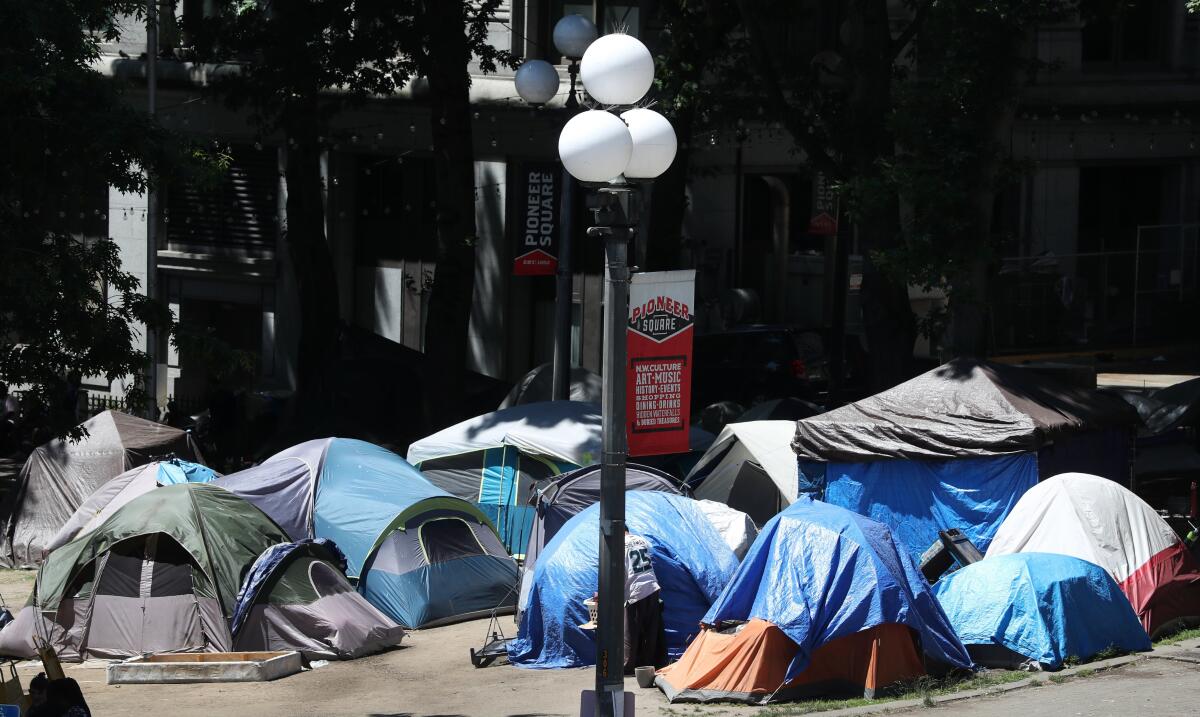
[{"x": 68, "y": 309}]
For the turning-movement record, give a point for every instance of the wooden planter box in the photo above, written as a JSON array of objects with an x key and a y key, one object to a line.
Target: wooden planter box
[{"x": 204, "y": 667}]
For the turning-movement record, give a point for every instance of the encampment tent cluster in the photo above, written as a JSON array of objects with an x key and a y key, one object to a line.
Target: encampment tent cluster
[
  {"x": 788, "y": 554},
  {"x": 333, "y": 547}
]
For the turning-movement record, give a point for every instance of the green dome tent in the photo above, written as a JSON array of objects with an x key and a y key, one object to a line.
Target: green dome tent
[{"x": 161, "y": 574}]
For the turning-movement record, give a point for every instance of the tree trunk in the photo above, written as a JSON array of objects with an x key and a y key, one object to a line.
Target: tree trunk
[
  {"x": 451, "y": 295},
  {"x": 887, "y": 314},
  {"x": 968, "y": 330},
  {"x": 312, "y": 263}
]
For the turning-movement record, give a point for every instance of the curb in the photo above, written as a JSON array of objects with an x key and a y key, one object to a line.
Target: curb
[
  {"x": 1179, "y": 653},
  {"x": 1039, "y": 678}
]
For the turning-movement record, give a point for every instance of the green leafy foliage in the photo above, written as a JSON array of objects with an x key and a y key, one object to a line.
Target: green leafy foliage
[{"x": 68, "y": 309}]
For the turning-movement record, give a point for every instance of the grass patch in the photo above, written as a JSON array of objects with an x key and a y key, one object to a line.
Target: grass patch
[
  {"x": 806, "y": 707},
  {"x": 1177, "y": 637},
  {"x": 924, "y": 690}
]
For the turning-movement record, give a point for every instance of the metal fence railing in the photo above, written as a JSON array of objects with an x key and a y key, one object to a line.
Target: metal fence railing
[{"x": 1134, "y": 297}]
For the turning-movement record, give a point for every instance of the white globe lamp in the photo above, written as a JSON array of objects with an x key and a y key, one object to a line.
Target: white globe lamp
[
  {"x": 537, "y": 81},
  {"x": 654, "y": 143},
  {"x": 595, "y": 146},
  {"x": 617, "y": 69},
  {"x": 573, "y": 34}
]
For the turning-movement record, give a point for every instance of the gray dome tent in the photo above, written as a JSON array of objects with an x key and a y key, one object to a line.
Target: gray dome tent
[
  {"x": 60, "y": 475},
  {"x": 296, "y": 598},
  {"x": 160, "y": 575}
]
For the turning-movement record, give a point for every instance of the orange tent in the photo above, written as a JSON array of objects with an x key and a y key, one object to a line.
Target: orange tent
[{"x": 750, "y": 662}]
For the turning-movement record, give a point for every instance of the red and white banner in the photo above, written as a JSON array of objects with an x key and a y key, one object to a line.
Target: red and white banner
[{"x": 658, "y": 378}]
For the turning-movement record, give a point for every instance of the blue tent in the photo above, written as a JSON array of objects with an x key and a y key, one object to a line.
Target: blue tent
[
  {"x": 956, "y": 447},
  {"x": 174, "y": 470},
  {"x": 499, "y": 459},
  {"x": 690, "y": 558},
  {"x": 420, "y": 555},
  {"x": 819, "y": 572},
  {"x": 1041, "y": 606}
]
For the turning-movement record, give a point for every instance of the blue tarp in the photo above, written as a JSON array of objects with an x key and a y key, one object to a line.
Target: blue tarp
[
  {"x": 819, "y": 572},
  {"x": 1041, "y": 606},
  {"x": 692, "y": 563},
  {"x": 916, "y": 499},
  {"x": 174, "y": 471}
]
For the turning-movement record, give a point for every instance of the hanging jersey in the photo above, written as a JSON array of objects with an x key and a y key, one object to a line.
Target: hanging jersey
[{"x": 640, "y": 580}]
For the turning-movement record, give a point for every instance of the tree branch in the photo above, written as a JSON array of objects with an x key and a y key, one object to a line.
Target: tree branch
[
  {"x": 793, "y": 119},
  {"x": 910, "y": 31}
]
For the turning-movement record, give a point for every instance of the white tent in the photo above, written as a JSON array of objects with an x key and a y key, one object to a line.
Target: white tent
[
  {"x": 750, "y": 467},
  {"x": 567, "y": 431},
  {"x": 1097, "y": 520}
]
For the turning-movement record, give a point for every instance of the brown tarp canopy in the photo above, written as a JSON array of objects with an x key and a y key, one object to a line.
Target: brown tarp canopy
[
  {"x": 60, "y": 475},
  {"x": 963, "y": 408}
]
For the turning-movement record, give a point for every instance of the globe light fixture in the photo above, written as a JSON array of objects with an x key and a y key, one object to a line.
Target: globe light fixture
[
  {"x": 617, "y": 70},
  {"x": 573, "y": 34},
  {"x": 537, "y": 81},
  {"x": 595, "y": 146},
  {"x": 654, "y": 143}
]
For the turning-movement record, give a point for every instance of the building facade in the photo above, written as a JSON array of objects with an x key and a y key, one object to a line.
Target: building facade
[{"x": 1099, "y": 235}]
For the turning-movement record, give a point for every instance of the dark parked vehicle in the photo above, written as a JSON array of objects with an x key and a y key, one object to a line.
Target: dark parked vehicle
[{"x": 752, "y": 364}]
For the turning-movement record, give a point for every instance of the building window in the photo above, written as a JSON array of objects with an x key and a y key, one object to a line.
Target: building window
[
  {"x": 395, "y": 217},
  {"x": 1124, "y": 35},
  {"x": 233, "y": 209}
]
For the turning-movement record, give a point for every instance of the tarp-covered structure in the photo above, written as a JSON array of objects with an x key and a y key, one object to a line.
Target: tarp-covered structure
[
  {"x": 109, "y": 498},
  {"x": 162, "y": 574},
  {"x": 825, "y": 601},
  {"x": 296, "y": 597},
  {"x": 1042, "y": 607},
  {"x": 1096, "y": 520},
  {"x": 750, "y": 467},
  {"x": 567, "y": 496},
  {"x": 58, "y": 476},
  {"x": 690, "y": 559},
  {"x": 420, "y": 555},
  {"x": 957, "y": 446},
  {"x": 1169, "y": 407}
]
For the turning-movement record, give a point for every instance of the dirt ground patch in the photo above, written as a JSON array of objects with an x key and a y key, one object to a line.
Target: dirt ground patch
[{"x": 430, "y": 675}]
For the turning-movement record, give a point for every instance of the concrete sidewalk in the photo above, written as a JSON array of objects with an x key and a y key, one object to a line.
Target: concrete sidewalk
[{"x": 432, "y": 676}]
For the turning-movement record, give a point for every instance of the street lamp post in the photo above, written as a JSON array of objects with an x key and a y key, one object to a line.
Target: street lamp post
[
  {"x": 537, "y": 82},
  {"x": 618, "y": 154}
]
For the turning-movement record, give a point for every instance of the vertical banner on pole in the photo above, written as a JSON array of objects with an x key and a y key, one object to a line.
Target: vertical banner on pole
[
  {"x": 537, "y": 236},
  {"x": 824, "y": 221},
  {"x": 658, "y": 383}
]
